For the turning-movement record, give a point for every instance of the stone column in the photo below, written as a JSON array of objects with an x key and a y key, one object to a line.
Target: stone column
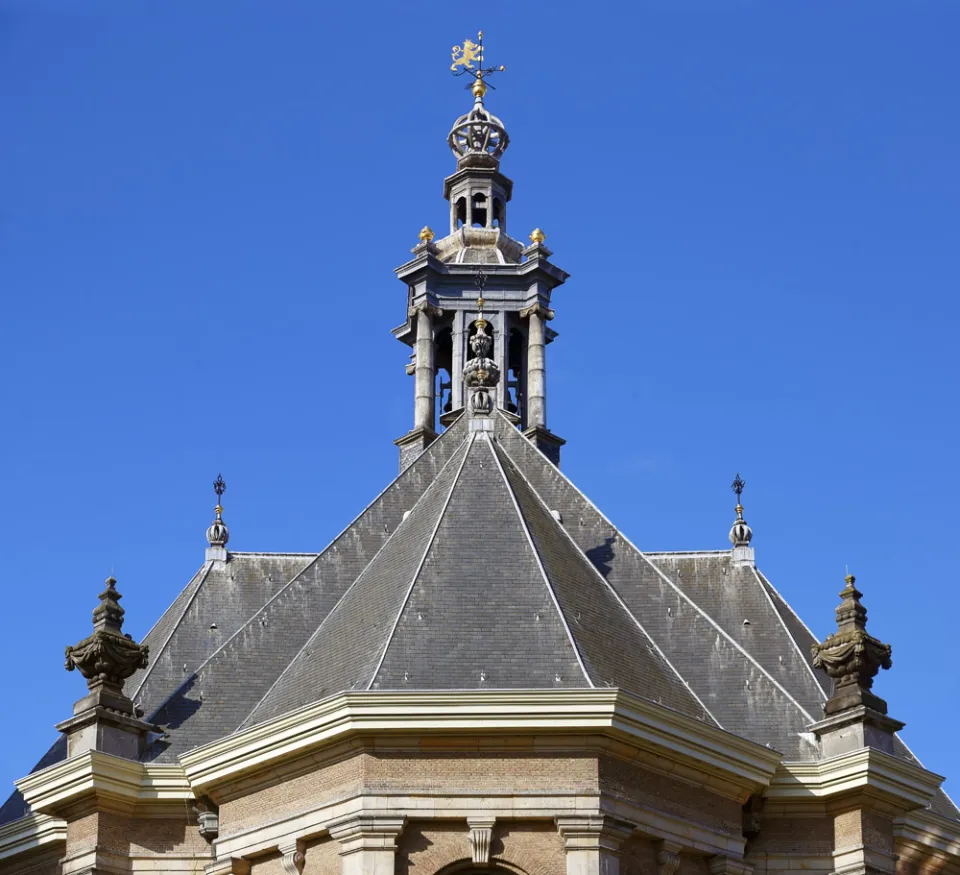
[
  {"x": 536, "y": 365},
  {"x": 369, "y": 844},
  {"x": 593, "y": 843},
  {"x": 424, "y": 412}
]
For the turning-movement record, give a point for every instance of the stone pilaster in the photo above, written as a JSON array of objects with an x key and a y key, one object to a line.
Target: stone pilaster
[
  {"x": 593, "y": 843},
  {"x": 369, "y": 843},
  {"x": 863, "y": 843},
  {"x": 536, "y": 315},
  {"x": 425, "y": 373}
]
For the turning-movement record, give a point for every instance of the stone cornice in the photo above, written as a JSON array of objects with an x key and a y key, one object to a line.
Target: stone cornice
[
  {"x": 930, "y": 831},
  {"x": 110, "y": 781},
  {"x": 671, "y": 736},
  {"x": 898, "y": 785},
  {"x": 30, "y": 832}
]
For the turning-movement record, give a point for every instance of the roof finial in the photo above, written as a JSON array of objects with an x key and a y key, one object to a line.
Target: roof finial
[
  {"x": 851, "y": 656},
  {"x": 218, "y": 534},
  {"x": 477, "y": 135},
  {"x": 741, "y": 534},
  {"x": 107, "y": 657}
]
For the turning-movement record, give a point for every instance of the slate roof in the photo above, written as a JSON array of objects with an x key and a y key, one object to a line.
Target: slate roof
[{"x": 480, "y": 567}]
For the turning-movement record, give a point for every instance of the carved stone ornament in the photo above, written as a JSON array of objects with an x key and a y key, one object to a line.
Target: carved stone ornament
[
  {"x": 481, "y": 370},
  {"x": 293, "y": 859},
  {"x": 668, "y": 858},
  {"x": 481, "y": 836},
  {"x": 107, "y": 657},
  {"x": 851, "y": 656}
]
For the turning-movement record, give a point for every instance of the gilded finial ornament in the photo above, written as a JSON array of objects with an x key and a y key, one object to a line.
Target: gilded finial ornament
[
  {"x": 463, "y": 62},
  {"x": 537, "y": 236},
  {"x": 426, "y": 234},
  {"x": 218, "y": 534},
  {"x": 741, "y": 534}
]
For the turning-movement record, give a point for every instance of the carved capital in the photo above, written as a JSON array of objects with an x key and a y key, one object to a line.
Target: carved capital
[
  {"x": 721, "y": 865},
  {"x": 481, "y": 836},
  {"x": 367, "y": 832},
  {"x": 544, "y": 313},
  {"x": 294, "y": 857},
  {"x": 668, "y": 857},
  {"x": 426, "y": 308},
  {"x": 593, "y": 832}
]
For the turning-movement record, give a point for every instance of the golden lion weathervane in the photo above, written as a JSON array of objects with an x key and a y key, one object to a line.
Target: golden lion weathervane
[{"x": 464, "y": 57}]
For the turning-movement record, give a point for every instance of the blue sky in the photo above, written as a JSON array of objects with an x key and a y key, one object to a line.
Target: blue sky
[{"x": 202, "y": 205}]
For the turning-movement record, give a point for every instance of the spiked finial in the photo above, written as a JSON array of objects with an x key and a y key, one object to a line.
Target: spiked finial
[
  {"x": 218, "y": 534},
  {"x": 741, "y": 534},
  {"x": 851, "y": 656}
]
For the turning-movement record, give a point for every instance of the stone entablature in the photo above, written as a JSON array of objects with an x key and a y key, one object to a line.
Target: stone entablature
[{"x": 583, "y": 781}]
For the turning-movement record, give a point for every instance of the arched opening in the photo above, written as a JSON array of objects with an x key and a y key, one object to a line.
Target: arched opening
[
  {"x": 444, "y": 369},
  {"x": 461, "y": 212},
  {"x": 498, "y": 214},
  {"x": 514, "y": 383},
  {"x": 479, "y": 211}
]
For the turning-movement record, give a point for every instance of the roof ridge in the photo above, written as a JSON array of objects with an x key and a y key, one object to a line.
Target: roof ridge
[
  {"x": 676, "y": 588},
  {"x": 616, "y": 595},
  {"x": 339, "y": 602},
  {"x": 426, "y": 551},
  {"x": 205, "y": 569},
  {"x": 543, "y": 572}
]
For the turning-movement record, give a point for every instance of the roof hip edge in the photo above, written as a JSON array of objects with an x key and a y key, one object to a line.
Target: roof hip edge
[
  {"x": 426, "y": 552},
  {"x": 543, "y": 571}
]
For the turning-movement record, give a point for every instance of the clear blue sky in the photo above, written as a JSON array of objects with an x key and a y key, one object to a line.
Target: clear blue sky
[{"x": 202, "y": 204}]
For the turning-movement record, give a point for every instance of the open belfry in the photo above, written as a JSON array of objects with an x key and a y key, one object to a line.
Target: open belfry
[{"x": 481, "y": 673}]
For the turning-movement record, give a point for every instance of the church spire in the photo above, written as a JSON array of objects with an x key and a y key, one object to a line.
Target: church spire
[{"x": 443, "y": 319}]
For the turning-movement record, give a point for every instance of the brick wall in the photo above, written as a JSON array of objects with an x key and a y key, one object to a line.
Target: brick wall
[{"x": 631, "y": 782}]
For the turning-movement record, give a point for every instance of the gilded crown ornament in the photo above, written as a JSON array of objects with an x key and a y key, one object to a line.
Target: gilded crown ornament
[
  {"x": 537, "y": 236},
  {"x": 426, "y": 234},
  {"x": 107, "y": 657},
  {"x": 851, "y": 656}
]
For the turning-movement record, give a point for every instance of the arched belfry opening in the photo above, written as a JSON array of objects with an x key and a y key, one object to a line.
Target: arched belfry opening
[
  {"x": 443, "y": 340},
  {"x": 479, "y": 218}
]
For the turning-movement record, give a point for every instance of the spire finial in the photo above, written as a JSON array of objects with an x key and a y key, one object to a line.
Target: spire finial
[
  {"x": 478, "y": 135},
  {"x": 851, "y": 656},
  {"x": 537, "y": 236},
  {"x": 218, "y": 534},
  {"x": 741, "y": 534},
  {"x": 480, "y": 281}
]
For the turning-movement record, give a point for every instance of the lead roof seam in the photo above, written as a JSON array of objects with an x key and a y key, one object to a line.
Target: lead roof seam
[
  {"x": 803, "y": 659},
  {"x": 420, "y": 564},
  {"x": 333, "y": 610},
  {"x": 543, "y": 572},
  {"x": 616, "y": 595},
  {"x": 207, "y": 566},
  {"x": 677, "y": 589}
]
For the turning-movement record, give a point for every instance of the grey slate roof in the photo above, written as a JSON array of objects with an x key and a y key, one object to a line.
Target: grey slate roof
[{"x": 502, "y": 575}]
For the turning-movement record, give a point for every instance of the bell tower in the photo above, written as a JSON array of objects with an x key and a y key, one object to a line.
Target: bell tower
[{"x": 477, "y": 278}]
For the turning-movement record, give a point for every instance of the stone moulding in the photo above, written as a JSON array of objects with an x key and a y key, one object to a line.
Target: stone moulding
[
  {"x": 608, "y": 712},
  {"x": 29, "y": 833},
  {"x": 897, "y": 785},
  {"x": 112, "y": 781}
]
